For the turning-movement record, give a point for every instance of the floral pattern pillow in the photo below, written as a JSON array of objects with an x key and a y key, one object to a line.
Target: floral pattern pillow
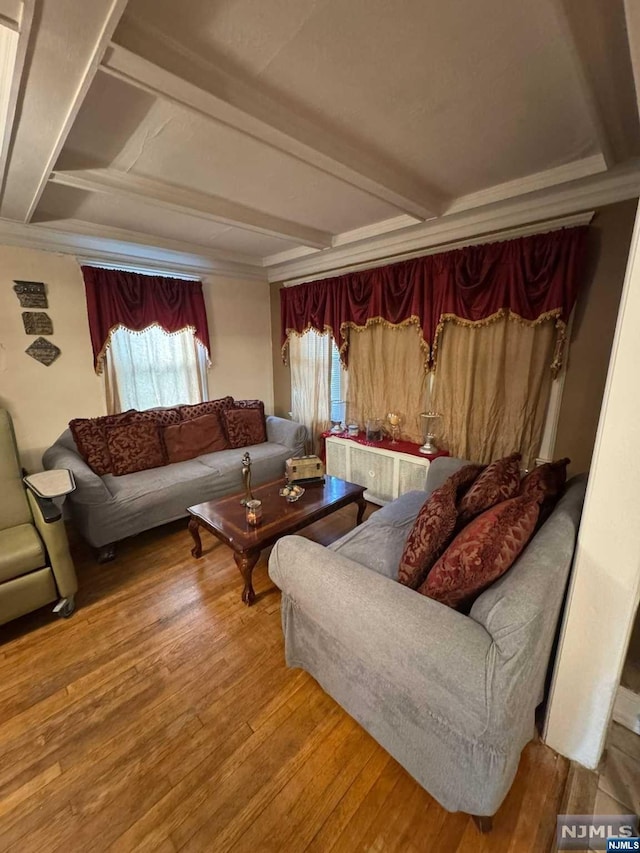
[
  {"x": 135, "y": 447},
  {"x": 546, "y": 481},
  {"x": 482, "y": 552},
  {"x": 498, "y": 482},
  {"x": 91, "y": 439},
  {"x": 244, "y": 426},
  {"x": 433, "y": 527}
]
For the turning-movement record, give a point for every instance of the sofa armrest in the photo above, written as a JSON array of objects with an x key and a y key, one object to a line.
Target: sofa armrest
[
  {"x": 54, "y": 536},
  {"x": 427, "y": 651},
  {"x": 288, "y": 433},
  {"x": 90, "y": 488}
]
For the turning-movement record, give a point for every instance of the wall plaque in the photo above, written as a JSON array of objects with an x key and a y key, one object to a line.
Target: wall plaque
[
  {"x": 31, "y": 294},
  {"x": 43, "y": 351},
  {"x": 37, "y": 323}
]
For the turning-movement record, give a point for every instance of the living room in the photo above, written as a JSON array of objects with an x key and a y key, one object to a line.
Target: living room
[{"x": 260, "y": 149}]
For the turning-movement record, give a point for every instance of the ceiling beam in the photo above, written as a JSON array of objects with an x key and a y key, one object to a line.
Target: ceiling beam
[
  {"x": 53, "y": 86},
  {"x": 191, "y": 202},
  {"x": 246, "y": 108}
]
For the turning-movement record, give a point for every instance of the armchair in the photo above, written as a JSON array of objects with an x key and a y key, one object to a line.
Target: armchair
[{"x": 35, "y": 564}]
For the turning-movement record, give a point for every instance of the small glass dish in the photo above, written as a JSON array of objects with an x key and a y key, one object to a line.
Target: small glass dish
[{"x": 292, "y": 493}]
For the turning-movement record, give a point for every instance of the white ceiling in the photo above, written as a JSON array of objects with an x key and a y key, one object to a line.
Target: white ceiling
[{"x": 273, "y": 137}]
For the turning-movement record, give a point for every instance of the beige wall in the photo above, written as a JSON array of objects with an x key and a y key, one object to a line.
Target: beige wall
[
  {"x": 281, "y": 373},
  {"x": 42, "y": 400},
  {"x": 593, "y": 327}
]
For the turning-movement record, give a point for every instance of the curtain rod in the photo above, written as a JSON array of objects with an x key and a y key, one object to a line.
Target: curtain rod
[
  {"x": 137, "y": 268},
  {"x": 491, "y": 237}
]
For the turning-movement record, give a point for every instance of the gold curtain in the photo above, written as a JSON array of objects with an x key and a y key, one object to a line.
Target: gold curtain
[
  {"x": 387, "y": 374},
  {"x": 492, "y": 387}
]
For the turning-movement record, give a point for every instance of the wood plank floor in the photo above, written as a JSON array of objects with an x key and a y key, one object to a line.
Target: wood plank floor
[{"x": 161, "y": 717}]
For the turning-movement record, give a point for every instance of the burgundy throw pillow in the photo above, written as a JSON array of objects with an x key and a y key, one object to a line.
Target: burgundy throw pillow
[
  {"x": 206, "y": 408},
  {"x": 134, "y": 447},
  {"x": 433, "y": 527},
  {"x": 498, "y": 482},
  {"x": 482, "y": 552},
  {"x": 91, "y": 439},
  {"x": 194, "y": 437},
  {"x": 244, "y": 426},
  {"x": 546, "y": 481},
  {"x": 163, "y": 417}
]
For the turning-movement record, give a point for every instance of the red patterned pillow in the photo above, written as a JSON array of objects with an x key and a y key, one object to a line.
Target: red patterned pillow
[
  {"x": 91, "y": 439},
  {"x": 192, "y": 438},
  {"x": 482, "y": 552},
  {"x": 134, "y": 447},
  {"x": 244, "y": 426},
  {"x": 498, "y": 482},
  {"x": 163, "y": 417},
  {"x": 546, "y": 481},
  {"x": 206, "y": 408},
  {"x": 433, "y": 527}
]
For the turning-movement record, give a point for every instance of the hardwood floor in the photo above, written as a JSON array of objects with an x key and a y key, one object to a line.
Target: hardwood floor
[{"x": 161, "y": 717}]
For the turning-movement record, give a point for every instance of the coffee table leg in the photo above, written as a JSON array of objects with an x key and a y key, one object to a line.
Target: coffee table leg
[
  {"x": 194, "y": 530},
  {"x": 245, "y": 562},
  {"x": 362, "y": 505}
]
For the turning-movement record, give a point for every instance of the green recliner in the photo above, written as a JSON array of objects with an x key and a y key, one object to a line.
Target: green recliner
[{"x": 35, "y": 564}]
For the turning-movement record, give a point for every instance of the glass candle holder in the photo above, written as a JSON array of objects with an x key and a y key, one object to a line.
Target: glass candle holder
[{"x": 254, "y": 512}]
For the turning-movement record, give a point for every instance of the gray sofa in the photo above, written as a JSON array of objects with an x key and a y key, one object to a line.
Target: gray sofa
[
  {"x": 108, "y": 508},
  {"x": 450, "y": 696}
]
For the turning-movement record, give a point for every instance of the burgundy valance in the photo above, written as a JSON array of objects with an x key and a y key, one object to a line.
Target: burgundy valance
[
  {"x": 118, "y": 298},
  {"x": 534, "y": 278}
]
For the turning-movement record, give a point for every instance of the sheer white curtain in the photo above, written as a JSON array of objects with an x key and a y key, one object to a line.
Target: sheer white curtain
[
  {"x": 310, "y": 361},
  {"x": 154, "y": 368}
]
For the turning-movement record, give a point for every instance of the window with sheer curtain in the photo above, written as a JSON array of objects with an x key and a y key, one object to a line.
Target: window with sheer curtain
[{"x": 153, "y": 368}]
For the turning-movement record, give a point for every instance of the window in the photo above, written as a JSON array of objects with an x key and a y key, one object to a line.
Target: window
[
  {"x": 337, "y": 386},
  {"x": 154, "y": 368}
]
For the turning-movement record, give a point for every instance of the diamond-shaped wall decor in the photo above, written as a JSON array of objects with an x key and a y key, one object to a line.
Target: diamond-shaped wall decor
[{"x": 43, "y": 351}]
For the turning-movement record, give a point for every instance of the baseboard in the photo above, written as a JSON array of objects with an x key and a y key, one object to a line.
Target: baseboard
[{"x": 626, "y": 709}]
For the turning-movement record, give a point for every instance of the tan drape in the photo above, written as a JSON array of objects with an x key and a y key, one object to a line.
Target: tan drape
[
  {"x": 387, "y": 374},
  {"x": 492, "y": 388},
  {"x": 310, "y": 359}
]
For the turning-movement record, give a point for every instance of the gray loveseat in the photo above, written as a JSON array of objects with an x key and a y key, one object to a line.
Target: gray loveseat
[
  {"x": 451, "y": 697},
  {"x": 108, "y": 508}
]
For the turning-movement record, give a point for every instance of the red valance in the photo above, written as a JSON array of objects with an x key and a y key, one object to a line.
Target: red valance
[
  {"x": 118, "y": 298},
  {"x": 534, "y": 278}
]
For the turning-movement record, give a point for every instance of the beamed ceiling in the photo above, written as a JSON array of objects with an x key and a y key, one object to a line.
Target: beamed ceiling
[{"x": 275, "y": 138}]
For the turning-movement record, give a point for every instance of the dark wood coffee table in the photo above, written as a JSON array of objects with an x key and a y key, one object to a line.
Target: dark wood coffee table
[{"x": 225, "y": 519}]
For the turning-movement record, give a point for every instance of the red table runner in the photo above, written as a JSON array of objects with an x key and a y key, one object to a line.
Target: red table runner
[{"x": 399, "y": 447}]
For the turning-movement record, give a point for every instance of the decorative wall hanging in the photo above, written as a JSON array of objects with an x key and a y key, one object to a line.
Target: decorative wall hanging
[
  {"x": 43, "y": 351},
  {"x": 31, "y": 294},
  {"x": 37, "y": 323}
]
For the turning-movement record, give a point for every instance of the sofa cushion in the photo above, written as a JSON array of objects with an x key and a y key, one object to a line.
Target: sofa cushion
[
  {"x": 206, "y": 408},
  {"x": 244, "y": 426},
  {"x": 21, "y": 551},
  {"x": 134, "y": 447},
  {"x": 482, "y": 552},
  {"x": 498, "y": 482},
  {"x": 192, "y": 438},
  {"x": 433, "y": 527},
  {"x": 162, "y": 416}
]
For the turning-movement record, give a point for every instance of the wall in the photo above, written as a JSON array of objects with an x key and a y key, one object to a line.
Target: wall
[
  {"x": 42, "y": 400},
  {"x": 592, "y": 333},
  {"x": 605, "y": 582},
  {"x": 281, "y": 372}
]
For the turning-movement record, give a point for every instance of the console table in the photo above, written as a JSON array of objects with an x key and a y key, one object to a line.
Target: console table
[{"x": 385, "y": 470}]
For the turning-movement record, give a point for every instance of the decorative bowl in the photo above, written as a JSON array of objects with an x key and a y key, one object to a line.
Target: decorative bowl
[{"x": 292, "y": 493}]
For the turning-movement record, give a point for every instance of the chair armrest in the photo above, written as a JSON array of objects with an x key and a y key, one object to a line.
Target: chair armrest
[
  {"x": 288, "y": 433},
  {"x": 423, "y": 648},
  {"x": 54, "y": 536},
  {"x": 49, "y": 510},
  {"x": 90, "y": 488}
]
